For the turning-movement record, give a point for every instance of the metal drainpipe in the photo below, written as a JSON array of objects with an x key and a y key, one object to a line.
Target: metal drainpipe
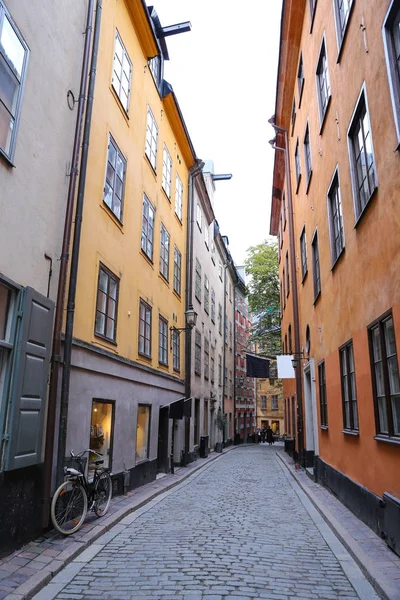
[
  {"x": 234, "y": 365},
  {"x": 224, "y": 355},
  {"x": 75, "y": 253},
  {"x": 194, "y": 171},
  {"x": 299, "y": 390},
  {"x": 62, "y": 281}
]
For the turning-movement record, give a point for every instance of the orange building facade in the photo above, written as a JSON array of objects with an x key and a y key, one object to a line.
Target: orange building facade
[{"x": 335, "y": 212}]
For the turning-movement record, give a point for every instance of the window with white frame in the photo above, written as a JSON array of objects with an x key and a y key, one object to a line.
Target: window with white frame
[
  {"x": 307, "y": 154},
  {"x": 114, "y": 184},
  {"x": 178, "y": 197},
  {"x": 162, "y": 341},
  {"x": 177, "y": 270},
  {"x": 323, "y": 83},
  {"x": 144, "y": 329},
  {"x": 197, "y": 287},
  {"x": 274, "y": 402},
  {"x": 206, "y": 294},
  {"x": 212, "y": 305},
  {"x": 361, "y": 157},
  {"x": 197, "y": 353},
  {"x": 176, "y": 351},
  {"x": 164, "y": 252},
  {"x": 151, "y": 139},
  {"x": 199, "y": 216},
  {"x": 297, "y": 164},
  {"x": 122, "y": 72},
  {"x": 316, "y": 269},
  {"x": 206, "y": 358},
  {"x": 303, "y": 252},
  {"x": 13, "y": 65},
  {"x": 391, "y": 37},
  {"x": 335, "y": 213},
  {"x": 212, "y": 364},
  {"x": 155, "y": 68},
  {"x": 147, "y": 227},
  {"x": 167, "y": 172},
  {"x": 342, "y": 14},
  {"x": 107, "y": 304}
]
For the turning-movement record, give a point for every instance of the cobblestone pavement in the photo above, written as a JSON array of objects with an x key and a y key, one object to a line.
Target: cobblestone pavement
[{"x": 240, "y": 529}]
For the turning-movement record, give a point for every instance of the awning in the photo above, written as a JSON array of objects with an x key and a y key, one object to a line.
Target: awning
[{"x": 179, "y": 408}]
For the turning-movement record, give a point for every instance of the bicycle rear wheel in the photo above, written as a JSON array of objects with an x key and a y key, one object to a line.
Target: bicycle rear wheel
[
  {"x": 102, "y": 493},
  {"x": 69, "y": 507}
]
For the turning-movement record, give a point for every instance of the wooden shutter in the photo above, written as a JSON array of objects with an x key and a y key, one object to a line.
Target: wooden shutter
[{"x": 29, "y": 382}]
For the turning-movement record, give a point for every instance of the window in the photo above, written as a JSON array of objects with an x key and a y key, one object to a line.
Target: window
[
  {"x": 303, "y": 251},
  {"x": 290, "y": 339},
  {"x": 335, "y": 219},
  {"x": 212, "y": 306},
  {"x": 7, "y": 301},
  {"x": 391, "y": 38},
  {"x": 297, "y": 164},
  {"x": 151, "y": 139},
  {"x": 284, "y": 286},
  {"x": 230, "y": 334},
  {"x": 167, "y": 172},
  {"x": 226, "y": 329},
  {"x": 176, "y": 351},
  {"x": 197, "y": 289},
  {"x": 323, "y": 84},
  {"x": 206, "y": 294},
  {"x": 163, "y": 341},
  {"x": 177, "y": 270},
  {"x": 349, "y": 395},
  {"x": 147, "y": 227},
  {"x": 164, "y": 253},
  {"x": 316, "y": 271},
  {"x": 300, "y": 78},
  {"x": 212, "y": 369},
  {"x": 342, "y": 14},
  {"x": 386, "y": 383},
  {"x": 155, "y": 68},
  {"x": 293, "y": 117},
  {"x": 284, "y": 210},
  {"x": 361, "y": 157},
  {"x": 230, "y": 384},
  {"x": 144, "y": 329},
  {"x": 322, "y": 394},
  {"x": 219, "y": 370},
  {"x": 13, "y": 64},
  {"x": 220, "y": 270},
  {"x": 143, "y": 433},
  {"x": 102, "y": 431},
  {"x": 178, "y": 197},
  {"x": 226, "y": 382},
  {"x": 274, "y": 402},
  {"x": 113, "y": 194},
  {"x": 220, "y": 319},
  {"x": 206, "y": 236},
  {"x": 206, "y": 358},
  {"x": 307, "y": 154},
  {"x": 263, "y": 402},
  {"x": 199, "y": 216},
  {"x": 107, "y": 304},
  {"x": 313, "y": 4},
  {"x": 197, "y": 353},
  {"x": 287, "y": 274},
  {"x": 122, "y": 72}
]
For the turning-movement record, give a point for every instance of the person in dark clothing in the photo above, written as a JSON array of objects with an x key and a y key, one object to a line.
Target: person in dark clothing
[
  {"x": 270, "y": 436},
  {"x": 259, "y": 436},
  {"x": 263, "y": 434}
]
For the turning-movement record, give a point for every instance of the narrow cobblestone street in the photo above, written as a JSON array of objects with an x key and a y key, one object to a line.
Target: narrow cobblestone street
[{"x": 239, "y": 529}]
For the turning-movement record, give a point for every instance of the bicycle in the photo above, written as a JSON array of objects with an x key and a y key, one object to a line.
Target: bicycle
[{"x": 77, "y": 495}]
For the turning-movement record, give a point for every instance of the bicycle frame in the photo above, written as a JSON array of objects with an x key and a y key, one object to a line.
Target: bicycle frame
[{"x": 79, "y": 475}]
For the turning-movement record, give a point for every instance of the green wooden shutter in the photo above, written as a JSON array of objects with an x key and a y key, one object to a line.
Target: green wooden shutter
[{"x": 29, "y": 382}]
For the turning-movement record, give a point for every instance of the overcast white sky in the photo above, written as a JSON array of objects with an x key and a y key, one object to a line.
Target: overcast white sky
[{"x": 224, "y": 75}]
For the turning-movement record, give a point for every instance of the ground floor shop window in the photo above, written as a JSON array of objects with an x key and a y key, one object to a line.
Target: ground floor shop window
[
  {"x": 101, "y": 430},
  {"x": 143, "y": 433}
]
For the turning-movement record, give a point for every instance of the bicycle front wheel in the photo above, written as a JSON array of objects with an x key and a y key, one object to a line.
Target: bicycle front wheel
[
  {"x": 69, "y": 507},
  {"x": 102, "y": 493}
]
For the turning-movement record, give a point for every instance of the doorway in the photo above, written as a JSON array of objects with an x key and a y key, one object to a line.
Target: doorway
[
  {"x": 311, "y": 432},
  {"x": 163, "y": 446}
]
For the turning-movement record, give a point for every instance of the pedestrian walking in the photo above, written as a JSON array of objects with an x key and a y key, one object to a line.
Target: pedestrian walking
[
  {"x": 259, "y": 436},
  {"x": 270, "y": 436}
]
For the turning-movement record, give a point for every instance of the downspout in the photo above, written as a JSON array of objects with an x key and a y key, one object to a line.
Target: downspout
[
  {"x": 299, "y": 390},
  {"x": 194, "y": 171},
  {"x": 224, "y": 355},
  {"x": 235, "y": 417},
  {"x": 75, "y": 253},
  {"x": 62, "y": 281}
]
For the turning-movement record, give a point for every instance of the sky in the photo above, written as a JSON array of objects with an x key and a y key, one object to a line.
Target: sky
[{"x": 224, "y": 75}]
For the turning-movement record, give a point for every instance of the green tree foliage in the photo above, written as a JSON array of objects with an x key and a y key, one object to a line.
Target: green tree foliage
[{"x": 264, "y": 301}]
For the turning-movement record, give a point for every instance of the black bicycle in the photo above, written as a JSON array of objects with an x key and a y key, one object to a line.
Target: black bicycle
[{"x": 77, "y": 495}]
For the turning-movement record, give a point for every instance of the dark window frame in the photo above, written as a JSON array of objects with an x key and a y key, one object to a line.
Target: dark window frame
[
  {"x": 147, "y": 326},
  {"x": 162, "y": 341},
  {"x": 297, "y": 165},
  {"x": 342, "y": 26},
  {"x": 323, "y": 404},
  {"x": 313, "y": 6},
  {"x": 300, "y": 77},
  {"x": 323, "y": 83},
  {"x": 335, "y": 215},
  {"x": 197, "y": 286},
  {"x": 353, "y": 424},
  {"x": 165, "y": 243},
  {"x": 176, "y": 351},
  {"x": 316, "y": 266},
  {"x": 303, "y": 253},
  {"x": 177, "y": 271},
  {"x": 392, "y": 62},
  {"x": 307, "y": 155},
  {"x": 197, "y": 352},
  {"x": 112, "y": 185},
  {"x": 206, "y": 359},
  {"x": 147, "y": 240},
  {"x": 110, "y": 276}
]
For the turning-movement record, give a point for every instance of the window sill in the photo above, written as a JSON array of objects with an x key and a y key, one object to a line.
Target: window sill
[
  {"x": 6, "y": 159},
  {"x": 338, "y": 259},
  {"x": 388, "y": 440},
  {"x": 163, "y": 365},
  {"x": 317, "y": 297},
  {"x": 147, "y": 257},
  {"x": 323, "y": 117},
  {"x": 151, "y": 166},
  {"x": 166, "y": 194},
  {"x": 298, "y": 183},
  {"x": 105, "y": 339},
  {"x": 324, "y": 427},
  {"x": 178, "y": 219},
  {"x": 141, "y": 461},
  {"x": 177, "y": 295},
  {"x": 144, "y": 356},
  {"x": 112, "y": 216},
  {"x": 361, "y": 215},
  {"x": 121, "y": 108},
  {"x": 164, "y": 279},
  {"x": 351, "y": 432}
]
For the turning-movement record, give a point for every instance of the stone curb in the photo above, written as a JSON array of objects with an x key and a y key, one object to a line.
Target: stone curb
[
  {"x": 366, "y": 564},
  {"x": 36, "y": 582}
]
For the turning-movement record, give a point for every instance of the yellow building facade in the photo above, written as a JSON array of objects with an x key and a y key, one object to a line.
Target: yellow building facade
[
  {"x": 126, "y": 361},
  {"x": 270, "y": 406}
]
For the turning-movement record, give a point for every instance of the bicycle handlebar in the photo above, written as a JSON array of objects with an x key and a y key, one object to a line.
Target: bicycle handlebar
[{"x": 84, "y": 452}]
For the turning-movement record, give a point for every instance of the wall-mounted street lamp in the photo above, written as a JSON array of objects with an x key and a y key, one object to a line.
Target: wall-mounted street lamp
[
  {"x": 297, "y": 358},
  {"x": 190, "y": 320}
]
